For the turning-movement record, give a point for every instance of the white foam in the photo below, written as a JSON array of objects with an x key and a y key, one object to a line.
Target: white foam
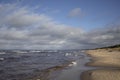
[
  {"x": 1, "y": 59},
  {"x": 37, "y": 51},
  {"x": 21, "y": 51},
  {"x": 67, "y": 54},
  {"x": 2, "y": 52},
  {"x": 73, "y": 63}
]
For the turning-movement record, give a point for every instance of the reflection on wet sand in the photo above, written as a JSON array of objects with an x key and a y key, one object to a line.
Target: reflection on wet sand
[{"x": 76, "y": 68}]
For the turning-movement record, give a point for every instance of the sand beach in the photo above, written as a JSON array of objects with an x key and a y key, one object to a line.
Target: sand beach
[{"x": 108, "y": 63}]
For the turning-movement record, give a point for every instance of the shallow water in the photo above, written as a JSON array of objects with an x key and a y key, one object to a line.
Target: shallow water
[
  {"x": 28, "y": 64},
  {"x": 74, "y": 72}
]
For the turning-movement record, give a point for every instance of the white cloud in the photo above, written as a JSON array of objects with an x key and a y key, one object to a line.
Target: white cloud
[
  {"x": 75, "y": 12},
  {"x": 25, "y": 29}
]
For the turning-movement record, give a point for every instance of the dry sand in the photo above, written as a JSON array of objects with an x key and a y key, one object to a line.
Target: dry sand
[
  {"x": 102, "y": 74},
  {"x": 104, "y": 58},
  {"x": 109, "y": 62}
]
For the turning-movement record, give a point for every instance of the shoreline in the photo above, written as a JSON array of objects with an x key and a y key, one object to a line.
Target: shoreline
[
  {"x": 50, "y": 73},
  {"x": 107, "y": 62},
  {"x": 73, "y": 73}
]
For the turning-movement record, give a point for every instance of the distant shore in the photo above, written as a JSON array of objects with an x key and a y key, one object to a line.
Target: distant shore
[{"x": 108, "y": 62}]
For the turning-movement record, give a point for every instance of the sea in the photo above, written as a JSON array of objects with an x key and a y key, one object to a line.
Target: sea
[{"x": 37, "y": 64}]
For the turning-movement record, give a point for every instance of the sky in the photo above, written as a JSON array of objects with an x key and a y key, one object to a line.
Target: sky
[{"x": 59, "y": 24}]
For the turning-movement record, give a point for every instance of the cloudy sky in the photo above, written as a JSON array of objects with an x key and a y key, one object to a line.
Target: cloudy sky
[{"x": 59, "y": 24}]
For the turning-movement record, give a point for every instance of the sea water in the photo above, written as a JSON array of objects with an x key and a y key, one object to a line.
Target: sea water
[{"x": 26, "y": 64}]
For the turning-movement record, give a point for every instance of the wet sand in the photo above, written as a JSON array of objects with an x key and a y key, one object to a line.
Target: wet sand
[
  {"x": 47, "y": 74},
  {"x": 108, "y": 62}
]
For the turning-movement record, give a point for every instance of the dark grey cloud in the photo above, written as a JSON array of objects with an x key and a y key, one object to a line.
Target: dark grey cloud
[
  {"x": 24, "y": 29},
  {"x": 105, "y": 36}
]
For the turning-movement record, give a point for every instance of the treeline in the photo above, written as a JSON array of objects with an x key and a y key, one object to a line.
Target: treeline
[{"x": 114, "y": 46}]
